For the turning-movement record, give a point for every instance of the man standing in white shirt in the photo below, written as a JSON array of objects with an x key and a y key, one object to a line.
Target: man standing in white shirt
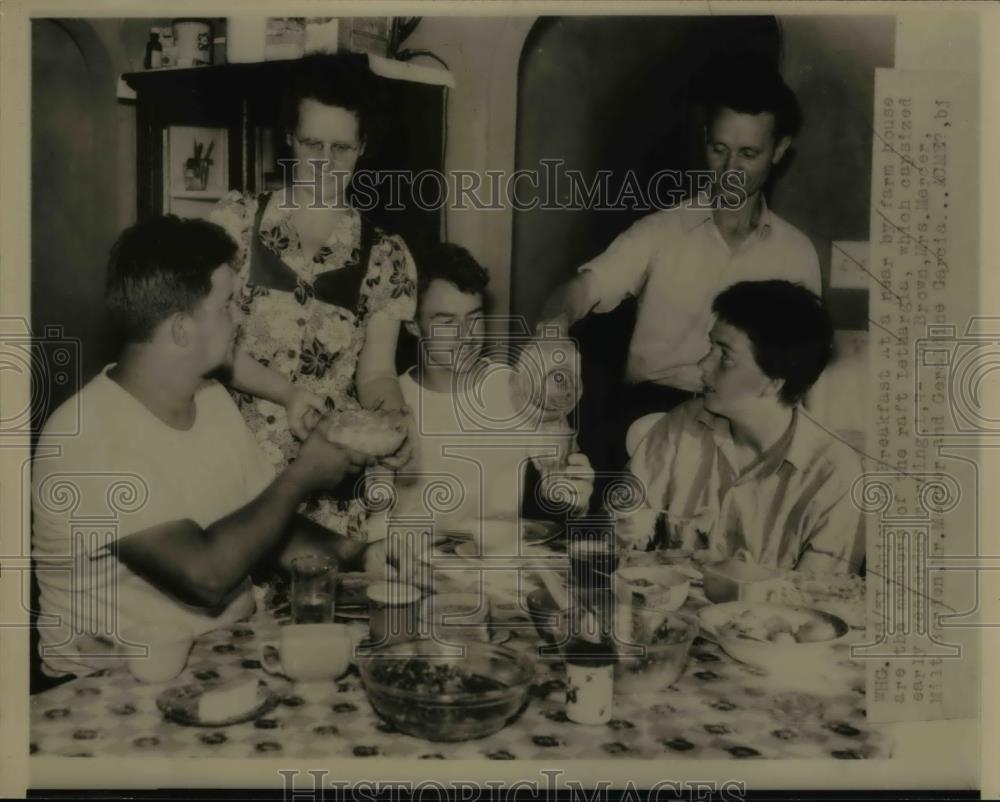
[
  {"x": 675, "y": 261},
  {"x": 203, "y": 506}
]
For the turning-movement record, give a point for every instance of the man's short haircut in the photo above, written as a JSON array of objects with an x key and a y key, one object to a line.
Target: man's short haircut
[
  {"x": 160, "y": 267},
  {"x": 788, "y": 327},
  {"x": 751, "y": 85},
  {"x": 452, "y": 263},
  {"x": 343, "y": 80}
]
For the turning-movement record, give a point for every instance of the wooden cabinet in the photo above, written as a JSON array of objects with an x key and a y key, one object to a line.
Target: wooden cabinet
[{"x": 241, "y": 102}]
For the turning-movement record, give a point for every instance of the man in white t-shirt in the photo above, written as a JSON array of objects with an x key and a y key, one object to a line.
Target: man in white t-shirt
[
  {"x": 675, "y": 261},
  {"x": 158, "y": 510},
  {"x": 474, "y": 437}
]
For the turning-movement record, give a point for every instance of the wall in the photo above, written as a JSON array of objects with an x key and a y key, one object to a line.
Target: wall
[
  {"x": 83, "y": 175},
  {"x": 830, "y": 63},
  {"x": 483, "y": 54}
]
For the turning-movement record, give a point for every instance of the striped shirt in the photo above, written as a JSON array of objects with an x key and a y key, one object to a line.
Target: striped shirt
[{"x": 790, "y": 509}]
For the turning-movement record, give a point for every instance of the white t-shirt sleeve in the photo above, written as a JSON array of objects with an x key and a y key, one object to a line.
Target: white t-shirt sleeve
[
  {"x": 259, "y": 471},
  {"x": 73, "y": 482}
]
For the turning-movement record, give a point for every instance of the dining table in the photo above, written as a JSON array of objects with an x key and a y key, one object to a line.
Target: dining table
[{"x": 719, "y": 708}]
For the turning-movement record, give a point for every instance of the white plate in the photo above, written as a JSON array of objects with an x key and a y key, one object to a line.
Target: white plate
[
  {"x": 180, "y": 704},
  {"x": 533, "y": 532}
]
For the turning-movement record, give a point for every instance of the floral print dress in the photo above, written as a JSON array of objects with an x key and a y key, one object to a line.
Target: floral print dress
[{"x": 306, "y": 317}]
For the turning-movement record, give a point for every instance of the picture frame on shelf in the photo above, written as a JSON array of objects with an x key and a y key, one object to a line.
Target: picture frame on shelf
[{"x": 196, "y": 169}]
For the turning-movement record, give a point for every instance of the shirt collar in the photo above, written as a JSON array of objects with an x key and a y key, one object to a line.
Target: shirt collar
[
  {"x": 808, "y": 438},
  {"x": 797, "y": 449},
  {"x": 698, "y": 211}
]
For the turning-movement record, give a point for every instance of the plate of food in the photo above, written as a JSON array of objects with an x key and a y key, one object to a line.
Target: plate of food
[
  {"x": 781, "y": 639},
  {"x": 840, "y": 594},
  {"x": 218, "y": 704}
]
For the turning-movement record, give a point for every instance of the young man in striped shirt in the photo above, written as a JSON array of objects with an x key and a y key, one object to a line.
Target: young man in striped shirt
[{"x": 743, "y": 471}]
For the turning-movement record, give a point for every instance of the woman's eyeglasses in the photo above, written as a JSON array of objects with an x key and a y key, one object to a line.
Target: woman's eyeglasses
[{"x": 339, "y": 151}]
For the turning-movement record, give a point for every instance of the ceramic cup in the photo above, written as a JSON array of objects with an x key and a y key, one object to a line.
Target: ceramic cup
[
  {"x": 166, "y": 645},
  {"x": 193, "y": 38},
  {"x": 309, "y": 652}
]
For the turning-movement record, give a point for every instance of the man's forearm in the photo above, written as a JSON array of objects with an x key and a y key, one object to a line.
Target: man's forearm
[
  {"x": 250, "y": 376},
  {"x": 236, "y": 543},
  {"x": 380, "y": 393},
  {"x": 570, "y": 302}
]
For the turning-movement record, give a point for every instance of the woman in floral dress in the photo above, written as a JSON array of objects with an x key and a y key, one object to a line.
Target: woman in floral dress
[{"x": 324, "y": 292}]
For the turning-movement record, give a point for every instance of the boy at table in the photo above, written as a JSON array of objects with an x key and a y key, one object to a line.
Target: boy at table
[
  {"x": 464, "y": 411},
  {"x": 743, "y": 471},
  {"x": 206, "y": 506}
]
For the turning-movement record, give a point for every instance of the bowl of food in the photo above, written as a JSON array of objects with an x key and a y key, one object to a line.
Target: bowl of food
[
  {"x": 657, "y": 586},
  {"x": 737, "y": 580},
  {"x": 658, "y": 654},
  {"x": 377, "y": 433},
  {"x": 781, "y": 639},
  {"x": 444, "y": 692}
]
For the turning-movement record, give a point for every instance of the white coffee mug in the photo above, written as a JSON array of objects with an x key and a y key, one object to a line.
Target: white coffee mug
[
  {"x": 310, "y": 652},
  {"x": 193, "y": 39},
  {"x": 166, "y": 646}
]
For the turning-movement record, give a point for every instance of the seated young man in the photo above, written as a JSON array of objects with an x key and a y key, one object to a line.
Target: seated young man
[
  {"x": 206, "y": 506},
  {"x": 743, "y": 470},
  {"x": 466, "y": 417}
]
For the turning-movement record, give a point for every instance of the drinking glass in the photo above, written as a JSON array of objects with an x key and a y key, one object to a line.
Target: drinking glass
[{"x": 314, "y": 589}]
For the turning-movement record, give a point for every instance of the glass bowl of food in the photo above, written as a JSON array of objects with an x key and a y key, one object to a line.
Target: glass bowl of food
[
  {"x": 446, "y": 692},
  {"x": 657, "y": 653}
]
